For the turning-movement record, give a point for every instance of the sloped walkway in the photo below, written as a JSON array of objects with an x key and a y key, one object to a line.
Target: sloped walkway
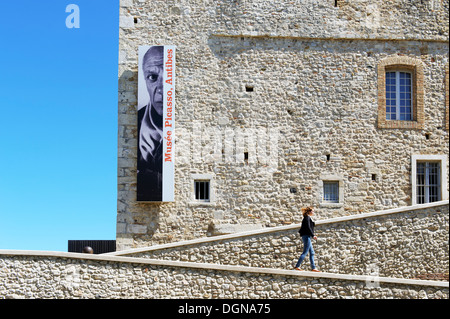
[
  {"x": 407, "y": 242},
  {"x": 258, "y": 232},
  {"x": 223, "y": 268},
  {"x": 247, "y": 265}
]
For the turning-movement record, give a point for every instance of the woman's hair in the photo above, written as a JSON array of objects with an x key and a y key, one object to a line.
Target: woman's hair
[{"x": 306, "y": 211}]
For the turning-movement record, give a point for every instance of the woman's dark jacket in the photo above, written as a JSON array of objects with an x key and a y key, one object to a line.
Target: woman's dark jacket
[{"x": 307, "y": 228}]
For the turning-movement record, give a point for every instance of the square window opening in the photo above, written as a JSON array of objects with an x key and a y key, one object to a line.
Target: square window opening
[
  {"x": 331, "y": 191},
  {"x": 202, "y": 190}
]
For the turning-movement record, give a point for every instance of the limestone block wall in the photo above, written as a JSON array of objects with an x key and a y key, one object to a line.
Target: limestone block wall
[
  {"x": 402, "y": 243},
  {"x": 302, "y": 76},
  {"x": 44, "y": 275}
]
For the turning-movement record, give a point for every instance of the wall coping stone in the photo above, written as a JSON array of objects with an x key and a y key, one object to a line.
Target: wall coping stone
[
  {"x": 118, "y": 258},
  {"x": 278, "y": 228},
  {"x": 347, "y": 37},
  {"x": 228, "y": 268}
]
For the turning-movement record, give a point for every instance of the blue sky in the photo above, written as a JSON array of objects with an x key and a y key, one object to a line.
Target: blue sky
[{"x": 58, "y": 123}]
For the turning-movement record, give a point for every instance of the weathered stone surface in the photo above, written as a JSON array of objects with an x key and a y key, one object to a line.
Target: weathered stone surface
[
  {"x": 56, "y": 277},
  {"x": 410, "y": 244},
  {"x": 313, "y": 70}
]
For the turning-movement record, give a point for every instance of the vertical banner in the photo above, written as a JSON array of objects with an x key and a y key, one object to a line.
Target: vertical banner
[{"x": 156, "y": 123}]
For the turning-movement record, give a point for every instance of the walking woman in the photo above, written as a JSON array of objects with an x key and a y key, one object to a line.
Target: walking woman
[{"x": 307, "y": 232}]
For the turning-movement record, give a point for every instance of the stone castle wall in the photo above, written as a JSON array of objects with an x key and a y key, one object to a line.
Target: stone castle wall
[
  {"x": 84, "y": 277},
  {"x": 31, "y": 276},
  {"x": 301, "y": 76},
  {"x": 406, "y": 243},
  {"x": 382, "y": 256}
]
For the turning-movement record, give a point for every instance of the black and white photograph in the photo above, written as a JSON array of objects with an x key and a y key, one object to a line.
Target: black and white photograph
[{"x": 155, "y": 123}]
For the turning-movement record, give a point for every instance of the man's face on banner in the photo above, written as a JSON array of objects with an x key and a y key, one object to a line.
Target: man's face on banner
[{"x": 153, "y": 74}]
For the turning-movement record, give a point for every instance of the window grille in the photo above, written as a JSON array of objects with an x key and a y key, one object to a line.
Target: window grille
[
  {"x": 331, "y": 192},
  {"x": 202, "y": 190},
  {"x": 428, "y": 182}
]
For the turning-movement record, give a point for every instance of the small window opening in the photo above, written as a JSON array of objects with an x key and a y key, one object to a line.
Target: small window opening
[
  {"x": 374, "y": 177},
  {"x": 202, "y": 191},
  {"x": 427, "y": 136},
  {"x": 335, "y": 3},
  {"x": 328, "y": 157},
  {"x": 245, "y": 156},
  {"x": 428, "y": 181},
  {"x": 249, "y": 88},
  {"x": 135, "y": 20},
  {"x": 331, "y": 192}
]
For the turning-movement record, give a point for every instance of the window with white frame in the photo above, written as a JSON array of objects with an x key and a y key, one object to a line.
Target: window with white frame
[
  {"x": 331, "y": 191},
  {"x": 399, "y": 96},
  {"x": 429, "y": 178},
  {"x": 202, "y": 190},
  {"x": 428, "y": 182}
]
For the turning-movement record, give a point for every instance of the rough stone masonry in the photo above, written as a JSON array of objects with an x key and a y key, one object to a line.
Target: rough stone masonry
[
  {"x": 80, "y": 277},
  {"x": 302, "y": 79}
]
